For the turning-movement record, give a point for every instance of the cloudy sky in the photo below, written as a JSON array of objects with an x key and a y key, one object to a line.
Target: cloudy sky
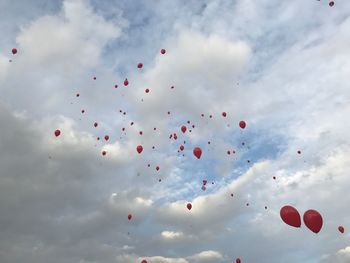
[{"x": 282, "y": 66}]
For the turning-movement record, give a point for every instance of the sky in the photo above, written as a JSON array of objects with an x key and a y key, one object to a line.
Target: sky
[{"x": 281, "y": 66}]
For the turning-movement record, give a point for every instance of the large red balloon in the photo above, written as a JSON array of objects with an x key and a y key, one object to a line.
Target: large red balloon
[
  {"x": 197, "y": 152},
  {"x": 139, "y": 149},
  {"x": 313, "y": 220},
  {"x": 14, "y": 51},
  {"x": 238, "y": 260},
  {"x": 144, "y": 261},
  {"x": 290, "y": 216},
  {"x": 57, "y": 133},
  {"x": 189, "y": 206},
  {"x": 341, "y": 229},
  {"x": 242, "y": 124}
]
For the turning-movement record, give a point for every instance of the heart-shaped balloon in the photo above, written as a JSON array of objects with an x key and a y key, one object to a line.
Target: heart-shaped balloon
[{"x": 290, "y": 216}]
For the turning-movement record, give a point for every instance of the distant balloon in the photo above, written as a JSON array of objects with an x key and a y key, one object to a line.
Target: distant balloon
[
  {"x": 189, "y": 206},
  {"x": 224, "y": 114},
  {"x": 182, "y": 147},
  {"x": 14, "y": 51},
  {"x": 78, "y": 95},
  {"x": 238, "y": 260},
  {"x": 57, "y": 133},
  {"x": 126, "y": 82},
  {"x": 290, "y": 216},
  {"x": 144, "y": 261},
  {"x": 106, "y": 137},
  {"x": 197, "y": 152},
  {"x": 140, "y": 65},
  {"x": 313, "y": 220},
  {"x": 95, "y": 124},
  {"x": 183, "y": 128},
  {"x": 242, "y": 124},
  {"x": 162, "y": 51},
  {"x": 157, "y": 168},
  {"x": 203, "y": 188},
  {"x": 139, "y": 148},
  {"x": 341, "y": 229},
  {"x": 104, "y": 153},
  {"x": 129, "y": 216},
  {"x": 299, "y": 152},
  {"x": 331, "y": 3},
  {"x": 115, "y": 86},
  {"x": 146, "y": 90},
  {"x": 94, "y": 78}
]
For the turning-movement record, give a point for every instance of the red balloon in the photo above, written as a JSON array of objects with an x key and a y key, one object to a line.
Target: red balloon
[
  {"x": 238, "y": 260},
  {"x": 140, "y": 65},
  {"x": 104, "y": 153},
  {"x": 157, "y": 168},
  {"x": 224, "y": 114},
  {"x": 95, "y": 124},
  {"x": 146, "y": 90},
  {"x": 197, "y": 152},
  {"x": 183, "y": 128},
  {"x": 162, "y": 51},
  {"x": 94, "y": 78},
  {"x": 57, "y": 133},
  {"x": 182, "y": 147},
  {"x": 129, "y": 216},
  {"x": 341, "y": 229},
  {"x": 126, "y": 82},
  {"x": 78, "y": 95},
  {"x": 242, "y": 124},
  {"x": 205, "y": 182},
  {"x": 299, "y": 152},
  {"x": 313, "y": 220},
  {"x": 139, "y": 149},
  {"x": 144, "y": 261},
  {"x": 106, "y": 137},
  {"x": 14, "y": 51},
  {"x": 331, "y": 3},
  {"x": 189, "y": 206},
  {"x": 290, "y": 216}
]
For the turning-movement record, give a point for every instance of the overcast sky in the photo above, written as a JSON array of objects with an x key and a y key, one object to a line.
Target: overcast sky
[{"x": 281, "y": 66}]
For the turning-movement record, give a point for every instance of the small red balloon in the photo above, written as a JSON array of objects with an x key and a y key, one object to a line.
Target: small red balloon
[
  {"x": 139, "y": 149},
  {"x": 197, "y": 152},
  {"x": 183, "y": 128},
  {"x": 144, "y": 261},
  {"x": 313, "y": 220},
  {"x": 182, "y": 147},
  {"x": 224, "y": 114},
  {"x": 162, "y": 51},
  {"x": 146, "y": 90},
  {"x": 157, "y": 168},
  {"x": 331, "y": 3},
  {"x": 140, "y": 65},
  {"x": 129, "y": 216},
  {"x": 57, "y": 133},
  {"x": 126, "y": 82},
  {"x": 290, "y": 216},
  {"x": 341, "y": 229},
  {"x": 242, "y": 124},
  {"x": 189, "y": 206},
  {"x": 95, "y": 124},
  {"x": 106, "y": 137},
  {"x": 104, "y": 153},
  {"x": 14, "y": 51}
]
